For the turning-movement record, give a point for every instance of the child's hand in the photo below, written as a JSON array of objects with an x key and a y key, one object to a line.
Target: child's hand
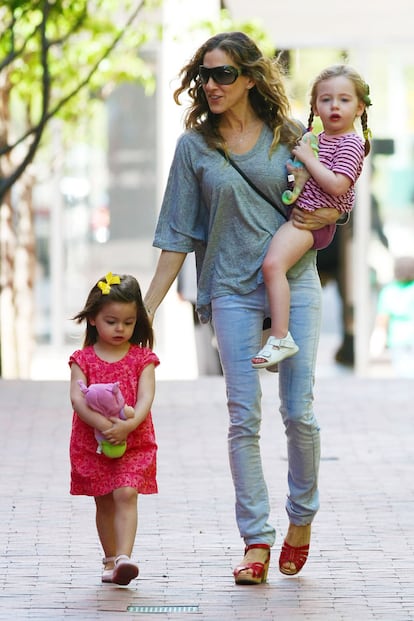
[
  {"x": 129, "y": 411},
  {"x": 118, "y": 433},
  {"x": 303, "y": 151},
  {"x": 300, "y": 173}
]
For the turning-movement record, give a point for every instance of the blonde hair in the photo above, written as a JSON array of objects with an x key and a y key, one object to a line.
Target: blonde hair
[{"x": 361, "y": 89}]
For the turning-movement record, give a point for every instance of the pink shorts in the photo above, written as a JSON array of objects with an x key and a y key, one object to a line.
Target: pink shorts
[{"x": 323, "y": 237}]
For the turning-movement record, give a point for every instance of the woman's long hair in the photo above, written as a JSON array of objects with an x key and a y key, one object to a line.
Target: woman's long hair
[{"x": 267, "y": 97}]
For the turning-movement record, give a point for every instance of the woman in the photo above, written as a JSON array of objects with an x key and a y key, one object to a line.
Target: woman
[{"x": 238, "y": 104}]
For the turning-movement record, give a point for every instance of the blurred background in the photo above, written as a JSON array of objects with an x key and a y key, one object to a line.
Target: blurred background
[{"x": 87, "y": 132}]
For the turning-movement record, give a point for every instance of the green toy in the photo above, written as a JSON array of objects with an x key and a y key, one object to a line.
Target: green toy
[
  {"x": 107, "y": 399},
  {"x": 290, "y": 196}
]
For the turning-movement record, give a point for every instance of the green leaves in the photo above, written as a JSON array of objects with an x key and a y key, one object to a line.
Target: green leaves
[
  {"x": 87, "y": 46},
  {"x": 57, "y": 58}
]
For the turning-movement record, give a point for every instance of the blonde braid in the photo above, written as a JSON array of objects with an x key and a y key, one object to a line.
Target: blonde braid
[
  {"x": 310, "y": 120},
  {"x": 364, "y": 119},
  {"x": 366, "y": 132}
]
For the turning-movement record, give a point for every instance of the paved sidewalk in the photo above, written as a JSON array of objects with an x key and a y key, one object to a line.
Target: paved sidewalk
[{"x": 361, "y": 565}]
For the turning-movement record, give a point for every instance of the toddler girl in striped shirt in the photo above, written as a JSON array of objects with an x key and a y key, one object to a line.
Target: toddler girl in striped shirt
[{"x": 339, "y": 95}]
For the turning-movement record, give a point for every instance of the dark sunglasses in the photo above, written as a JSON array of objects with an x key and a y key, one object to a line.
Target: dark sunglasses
[{"x": 225, "y": 74}]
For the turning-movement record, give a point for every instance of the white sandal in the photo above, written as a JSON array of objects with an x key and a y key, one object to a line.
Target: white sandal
[
  {"x": 274, "y": 351},
  {"x": 107, "y": 573},
  {"x": 124, "y": 571}
]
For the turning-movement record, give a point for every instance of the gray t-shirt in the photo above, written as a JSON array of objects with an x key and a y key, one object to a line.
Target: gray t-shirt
[{"x": 210, "y": 209}]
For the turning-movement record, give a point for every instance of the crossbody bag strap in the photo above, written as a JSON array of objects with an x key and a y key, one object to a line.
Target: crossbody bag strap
[{"x": 253, "y": 185}]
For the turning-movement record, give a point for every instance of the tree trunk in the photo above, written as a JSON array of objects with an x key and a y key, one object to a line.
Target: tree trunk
[
  {"x": 17, "y": 270},
  {"x": 17, "y": 260},
  {"x": 24, "y": 275},
  {"x": 7, "y": 300}
]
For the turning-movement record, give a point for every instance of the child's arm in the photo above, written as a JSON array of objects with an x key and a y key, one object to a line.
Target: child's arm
[
  {"x": 333, "y": 183},
  {"x": 85, "y": 413},
  {"x": 120, "y": 429}
]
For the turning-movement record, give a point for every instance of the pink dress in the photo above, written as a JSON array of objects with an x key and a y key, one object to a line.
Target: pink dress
[{"x": 94, "y": 474}]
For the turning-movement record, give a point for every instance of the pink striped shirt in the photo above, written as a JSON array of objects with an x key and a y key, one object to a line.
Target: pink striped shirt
[{"x": 341, "y": 154}]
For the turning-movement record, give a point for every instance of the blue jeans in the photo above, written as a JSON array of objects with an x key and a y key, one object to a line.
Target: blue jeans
[{"x": 238, "y": 323}]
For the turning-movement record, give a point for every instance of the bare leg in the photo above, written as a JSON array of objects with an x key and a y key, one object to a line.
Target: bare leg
[
  {"x": 288, "y": 245},
  {"x": 125, "y": 519},
  {"x": 116, "y": 521},
  {"x": 105, "y": 512},
  {"x": 125, "y": 527}
]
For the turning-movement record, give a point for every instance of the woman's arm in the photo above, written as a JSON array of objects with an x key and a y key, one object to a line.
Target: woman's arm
[
  {"x": 169, "y": 264},
  {"x": 312, "y": 220}
]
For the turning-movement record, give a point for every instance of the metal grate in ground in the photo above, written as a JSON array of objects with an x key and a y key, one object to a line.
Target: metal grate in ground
[{"x": 162, "y": 609}]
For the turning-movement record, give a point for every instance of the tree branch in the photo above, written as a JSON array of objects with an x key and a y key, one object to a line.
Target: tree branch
[
  {"x": 51, "y": 113},
  {"x": 6, "y": 183},
  {"x": 93, "y": 70},
  {"x": 14, "y": 53},
  {"x": 75, "y": 27}
]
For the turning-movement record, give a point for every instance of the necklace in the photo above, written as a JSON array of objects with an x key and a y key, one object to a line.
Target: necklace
[{"x": 242, "y": 141}]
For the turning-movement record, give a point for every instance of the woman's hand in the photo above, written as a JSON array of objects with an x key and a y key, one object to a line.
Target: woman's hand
[
  {"x": 169, "y": 264},
  {"x": 313, "y": 220}
]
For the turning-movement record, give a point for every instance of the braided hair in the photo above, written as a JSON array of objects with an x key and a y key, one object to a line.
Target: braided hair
[{"x": 361, "y": 89}]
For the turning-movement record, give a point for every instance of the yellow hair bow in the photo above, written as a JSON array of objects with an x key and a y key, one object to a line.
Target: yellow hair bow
[{"x": 105, "y": 287}]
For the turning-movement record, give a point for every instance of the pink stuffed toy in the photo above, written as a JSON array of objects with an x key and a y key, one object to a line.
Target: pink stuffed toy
[{"x": 107, "y": 399}]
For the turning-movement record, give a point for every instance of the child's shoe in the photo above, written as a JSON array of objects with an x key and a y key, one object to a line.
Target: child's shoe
[
  {"x": 108, "y": 571},
  {"x": 274, "y": 351},
  {"x": 124, "y": 571}
]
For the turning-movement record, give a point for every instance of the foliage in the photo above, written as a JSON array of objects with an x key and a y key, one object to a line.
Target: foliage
[
  {"x": 253, "y": 28},
  {"x": 57, "y": 55}
]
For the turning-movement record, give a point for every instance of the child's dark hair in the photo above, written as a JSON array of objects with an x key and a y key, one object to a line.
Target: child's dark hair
[
  {"x": 361, "y": 89},
  {"x": 113, "y": 288}
]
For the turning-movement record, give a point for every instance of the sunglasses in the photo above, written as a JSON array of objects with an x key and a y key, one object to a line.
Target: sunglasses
[{"x": 225, "y": 74}]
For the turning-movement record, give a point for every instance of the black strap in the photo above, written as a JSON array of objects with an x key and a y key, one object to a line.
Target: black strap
[{"x": 252, "y": 185}]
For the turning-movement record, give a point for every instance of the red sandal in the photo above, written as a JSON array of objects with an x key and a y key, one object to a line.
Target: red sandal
[
  {"x": 291, "y": 554},
  {"x": 258, "y": 570}
]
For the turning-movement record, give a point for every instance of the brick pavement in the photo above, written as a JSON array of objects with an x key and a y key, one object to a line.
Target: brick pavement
[{"x": 361, "y": 565}]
